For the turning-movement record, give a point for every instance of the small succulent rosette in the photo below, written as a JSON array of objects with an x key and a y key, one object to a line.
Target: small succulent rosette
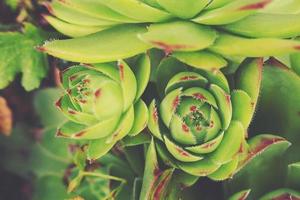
[
  {"x": 102, "y": 103},
  {"x": 200, "y": 124}
]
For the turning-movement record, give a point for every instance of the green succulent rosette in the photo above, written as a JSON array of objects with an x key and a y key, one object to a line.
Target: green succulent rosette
[
  {"x": 203, "y": 28},
  {"x": 102, "y": 103},
  {"x": 200, "y": 124}
]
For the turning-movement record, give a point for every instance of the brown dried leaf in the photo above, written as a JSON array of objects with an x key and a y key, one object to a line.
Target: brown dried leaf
[{"x": 5, "y": 118}]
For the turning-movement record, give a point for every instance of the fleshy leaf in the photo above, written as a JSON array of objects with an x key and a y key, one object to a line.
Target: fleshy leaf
[
  {"x": 141, "y": 118},
  {"x": 73, "y": 30},
  {"x": 112, "y": 44},
  {"x": 224, "y": 105},
  {"x": 201, "y": 59},
  {"x": 179, "y": 153},
  {"x": 179, "y": 36},
  {"x": 282, "y": 194},
  {"x": 230, "y": 144},
  {"x": 155, "y": 179},
  {"x": 233, "y": 11},
  {"x": 248, "y": 77},
  {"x": 287, "y": 26},
  {"x": 200, "y": 168},
  {"x": 100, "y": 147},
  {"x": 231, "y": 45},
  {"x": 137, "y": 10},
  {"x": 128, "y": 83},
  {"x": 242, "y": 107},
  {"x": 293, "y": 176},
  {"x": 169, "y": 105},
  {"x": 225, "y": 171},
  {"x": 142, "y": 70},
  {"x": 243, "y": 195},
  {"x": 183, "y": 9}
]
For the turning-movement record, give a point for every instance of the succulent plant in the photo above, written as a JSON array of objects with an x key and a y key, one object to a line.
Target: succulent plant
[
  {"x": 201, "y": 116},
  {"x": 201, "y": 124},
  {"x": 117, "y": 29},
  {"x": 102, "y": 103}
]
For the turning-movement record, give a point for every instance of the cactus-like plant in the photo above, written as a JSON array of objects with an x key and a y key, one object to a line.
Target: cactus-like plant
[
  {"x": 117, "y": 29},
  {"x": 102, "y": 103}
]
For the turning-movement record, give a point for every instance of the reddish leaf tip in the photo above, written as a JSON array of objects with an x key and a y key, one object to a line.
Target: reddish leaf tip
[
  {"x": 98, "y": 93},
  {"x": 256, "y": 6},
  {"x": 40, "y": 48}
]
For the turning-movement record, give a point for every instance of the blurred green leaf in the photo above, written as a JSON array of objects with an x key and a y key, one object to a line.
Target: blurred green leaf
[
  {"x": 13, "y": 4},
  {"x": 44, "y": 106},
  {"x": 50, "y": 155},
  {"x": 18, "y": 55},
  {"x": 278, "y": 107},
  {"x": 50, "y": 188},
  {"x": 15, "y": 151}
]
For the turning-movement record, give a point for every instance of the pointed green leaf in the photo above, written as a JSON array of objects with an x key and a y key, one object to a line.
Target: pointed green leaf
[
  {"x": 179, "y": 153},
  {"x": 73, "y": 30},
  {"x": 251, "y": 47},
  {"x": 233, "y": 11},
  {"x": 153, "y": 123},
  {"x": 225, "y": 171},
  {"x": 250, "y": 69},
  {"x": 97, "y": 10},
  {"x": 230, "y": 144},
  {"x": 207, "y": 147},
  {"x": 128, "y": 83},
  {"x": 166, "y": 69},
  {"x": 142, "y": 70},
  {"x": 112, "y": 44},
  {"x": 151, "y": 172},
  {"x": 68, "y": 13},
  {"x": 137, "y": 10},
  {"x": 186, "y": 80},
  {"x": 200, "y": 168},
  {"x": 287, "y": 26},
  {"x": 141, "y": 115},
  {"x": 169, "y": 105},
  {"x": 98, "y": 148},
  {"x": 224, "y": 105},
  {"x": 242, "y": 107}
]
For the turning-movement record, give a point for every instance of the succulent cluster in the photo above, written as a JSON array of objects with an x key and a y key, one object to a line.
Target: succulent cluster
[{"x": 199, "y": 119}]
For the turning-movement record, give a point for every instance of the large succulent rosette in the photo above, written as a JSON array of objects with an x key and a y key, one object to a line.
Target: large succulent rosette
[
  {"x": 118, "y": 29},
  {"x": 102, "y": 103},
  {"x": 200, "y": 124}
]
